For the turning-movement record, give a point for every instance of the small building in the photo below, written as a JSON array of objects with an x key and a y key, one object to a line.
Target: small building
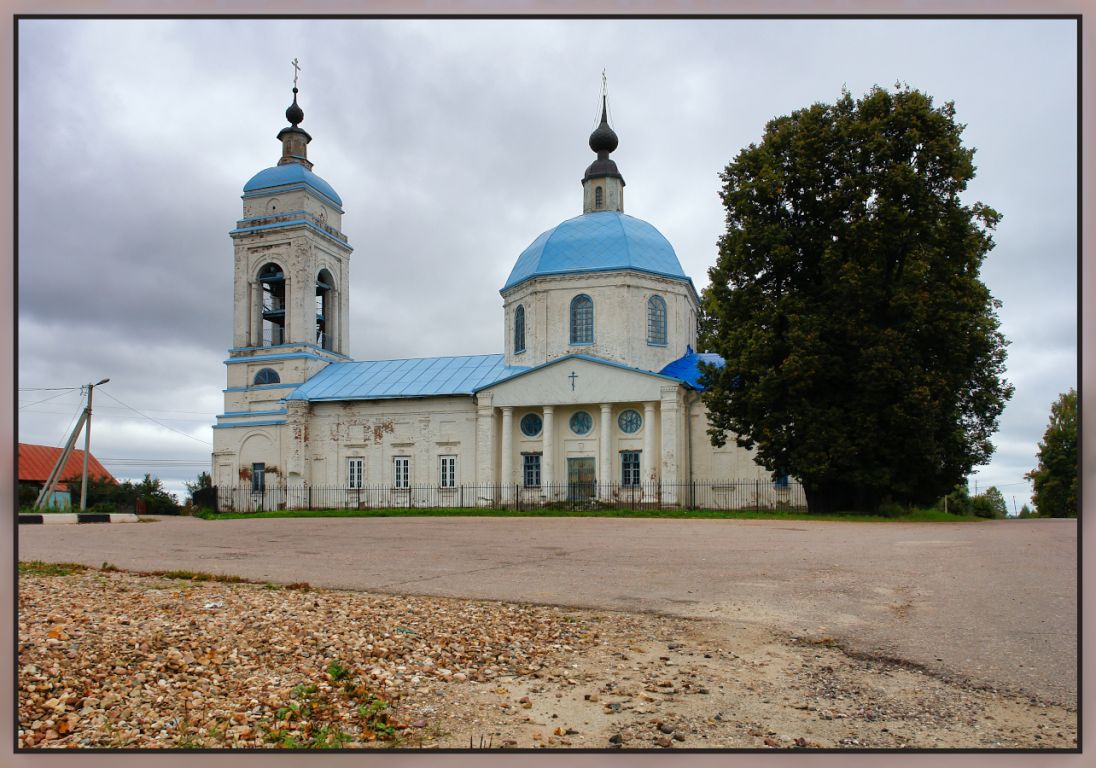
[{"x": 36, "y": 462}]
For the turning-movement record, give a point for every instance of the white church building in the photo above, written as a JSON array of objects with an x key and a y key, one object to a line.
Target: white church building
[{"x": 595, "y": 397}]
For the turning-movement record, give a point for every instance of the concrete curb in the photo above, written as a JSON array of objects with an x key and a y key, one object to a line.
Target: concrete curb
[{"x": 55, "y": 518}]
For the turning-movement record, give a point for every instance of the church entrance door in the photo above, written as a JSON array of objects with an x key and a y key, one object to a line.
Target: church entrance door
[{"x": 581, "y": 482}]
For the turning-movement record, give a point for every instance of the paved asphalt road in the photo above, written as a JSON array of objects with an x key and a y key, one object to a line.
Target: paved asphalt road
[{"x": 994, "y": 602}]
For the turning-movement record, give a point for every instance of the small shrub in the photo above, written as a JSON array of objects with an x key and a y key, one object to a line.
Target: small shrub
[{"x": 892, "y": 509}]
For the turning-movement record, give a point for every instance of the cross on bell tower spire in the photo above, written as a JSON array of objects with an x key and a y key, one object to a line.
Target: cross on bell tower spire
[{"x": 294, "y": 138}]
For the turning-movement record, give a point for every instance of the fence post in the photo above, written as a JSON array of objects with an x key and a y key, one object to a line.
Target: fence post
[{"x": 757, "y": 495}]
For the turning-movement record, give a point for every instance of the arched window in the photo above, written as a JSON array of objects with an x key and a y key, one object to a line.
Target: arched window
[
  {"x": 599, "y": 197},
  {"x": 656, "y": 321},
  {"x": 582, "y": 320},
  {"x": 267, "y": 376},
  {"x": 272, "y": 282},
  {"x": 325, "y": 310},
  {"x": 519, "y": 329}
]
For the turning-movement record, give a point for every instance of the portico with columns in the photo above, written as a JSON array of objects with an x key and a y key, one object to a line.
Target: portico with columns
[{"x": 580, "y": 414}]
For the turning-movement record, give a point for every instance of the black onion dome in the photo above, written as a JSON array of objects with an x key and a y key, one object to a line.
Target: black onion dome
[
  {"x": 603, "y": 141},
  {"x": 295, "y": 114},
  {"x": 604, "y": 138}
]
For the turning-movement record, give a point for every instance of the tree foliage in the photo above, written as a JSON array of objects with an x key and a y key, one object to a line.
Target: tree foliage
[
  {"x": 124, "y": 495},
  {"x": 862, "y": 350},
  {"x": 989, "y": 504},
  {"x": 1055, "y": 478},
  {"x": 202, "y": 482}
]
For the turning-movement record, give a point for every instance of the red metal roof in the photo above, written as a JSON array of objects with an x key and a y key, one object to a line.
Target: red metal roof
[{"x": 36, "y": 462}]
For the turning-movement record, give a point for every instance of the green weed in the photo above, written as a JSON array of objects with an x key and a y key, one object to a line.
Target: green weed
[{"x": 40, "y": 568}]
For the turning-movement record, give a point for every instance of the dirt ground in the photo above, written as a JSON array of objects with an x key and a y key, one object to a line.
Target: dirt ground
[{"x": 115, "y": 659}]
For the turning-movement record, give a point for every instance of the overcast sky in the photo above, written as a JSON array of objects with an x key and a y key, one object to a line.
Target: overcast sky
[{"x": 453, "y": 144}]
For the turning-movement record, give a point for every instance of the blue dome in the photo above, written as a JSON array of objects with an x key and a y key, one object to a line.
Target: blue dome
[
  {"x": 290, "y": 173},
  {"x": 597, "y": 242}
]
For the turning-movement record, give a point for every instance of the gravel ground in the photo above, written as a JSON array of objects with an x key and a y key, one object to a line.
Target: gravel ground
[{"x": 116, "y": 659}]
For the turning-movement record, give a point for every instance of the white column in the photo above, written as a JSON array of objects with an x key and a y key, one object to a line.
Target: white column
[
  {"x": 547, "y": 458},
  {"x": 485, "y": 442},
  {"x": 605, "y": 441},
  {"x": 507, "y": 459},
  {"x": 670, "y": 424},
  {"x": 297, "y": 427},
  {"x": 255, "y": 317},
  {"x": 648, "y": 462}
]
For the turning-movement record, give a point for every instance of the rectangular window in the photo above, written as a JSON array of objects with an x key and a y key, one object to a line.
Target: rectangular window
[
  {"x": 258, "y": 478},
  {"x": 629, "y": 468},
  {"x": 354, "y": 473},
  {"x": 531, "y": 470},
  {"x": 447, "y": 472},
  {"x": 402, "y": 471}
]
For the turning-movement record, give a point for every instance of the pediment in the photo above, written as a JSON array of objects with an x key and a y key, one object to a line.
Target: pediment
[{"x": 577, "y": 379}]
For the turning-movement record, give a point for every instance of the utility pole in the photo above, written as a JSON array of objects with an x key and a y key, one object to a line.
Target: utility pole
[{"x": 87, "y": 447}]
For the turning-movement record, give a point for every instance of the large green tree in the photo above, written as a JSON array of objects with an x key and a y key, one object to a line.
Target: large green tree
[
  {"x": 1055, "y": 479},
  {"x": 862, "y": 350}
]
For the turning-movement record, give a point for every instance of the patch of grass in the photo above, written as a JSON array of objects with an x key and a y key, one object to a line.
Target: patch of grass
[
  {"x": 337, "y": 671},
  {"x": 40, "y": 568},
  {"x": 910, "y": 516},
  {"x": 196, "y": 576}
]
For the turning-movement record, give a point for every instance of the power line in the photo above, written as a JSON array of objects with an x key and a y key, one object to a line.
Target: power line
[
  {"x": 51, "y": 397},
  {"x": 154, "y": 421},
  {"x": 72, "y": 421},
  {"x": 45, "y": 389},
  {"x": 116, "y": 408},
  {"x": 162, "y": 410}
]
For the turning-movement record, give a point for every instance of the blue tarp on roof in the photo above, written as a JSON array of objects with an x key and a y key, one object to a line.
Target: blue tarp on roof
[
  {"x": 597, "y": 242},
  {"x": 686, "y": 367},
  {"x": 416, "y": 377}
]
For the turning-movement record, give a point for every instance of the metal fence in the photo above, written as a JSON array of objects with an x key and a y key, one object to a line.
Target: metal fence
[{"x": 721, "y": 495}]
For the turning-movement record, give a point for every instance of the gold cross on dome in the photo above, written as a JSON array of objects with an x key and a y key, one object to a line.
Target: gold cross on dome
[{"x": 296, "y": 71}]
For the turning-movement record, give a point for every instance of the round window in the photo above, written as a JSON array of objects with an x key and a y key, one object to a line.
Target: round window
[
  {"x": 629, "y": 421},
  {"x": 530, "y": 425},
  {"x": 581, "y": 423}
]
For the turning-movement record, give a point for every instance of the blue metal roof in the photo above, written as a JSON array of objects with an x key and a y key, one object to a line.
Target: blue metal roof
[
  {"x": 416, "y": 377},
  {"x": 290, "y": 173},
  {"x": 597, "y": 242},
  {"x": 686, "y": 368}
]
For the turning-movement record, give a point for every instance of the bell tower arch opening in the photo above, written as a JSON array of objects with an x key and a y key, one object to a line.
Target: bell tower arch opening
[
  {"x": 272, "y": 305},
  {"x": 326, "y": 311}
]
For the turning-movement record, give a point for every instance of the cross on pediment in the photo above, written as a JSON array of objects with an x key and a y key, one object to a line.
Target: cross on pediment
[{"x": 572, "y": 377}]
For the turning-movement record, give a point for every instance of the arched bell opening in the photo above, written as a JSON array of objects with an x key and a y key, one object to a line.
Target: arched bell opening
[
  {"x": 325, "y": 310},
  {"x": 272, "y": 284}
]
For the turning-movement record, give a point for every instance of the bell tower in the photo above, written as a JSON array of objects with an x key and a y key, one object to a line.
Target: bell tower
[{"x": 292, "y": 270}]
